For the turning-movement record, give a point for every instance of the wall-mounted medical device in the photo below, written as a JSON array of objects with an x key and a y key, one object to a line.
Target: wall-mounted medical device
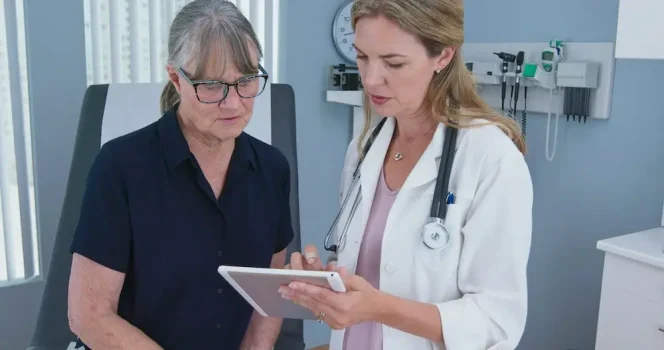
[
  {"x": 521, "y": 78},
  {"x": 345, "y": 77}
]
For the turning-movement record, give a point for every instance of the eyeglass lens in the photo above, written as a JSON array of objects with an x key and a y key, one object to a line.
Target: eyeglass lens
[{"x": 249, "y": 87}]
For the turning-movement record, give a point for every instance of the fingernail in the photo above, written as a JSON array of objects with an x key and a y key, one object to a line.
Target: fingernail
[
  {"x": 285, "y": 293},
  {"x": 293, "y": 285},
  {"x": 311, "y": 257}
]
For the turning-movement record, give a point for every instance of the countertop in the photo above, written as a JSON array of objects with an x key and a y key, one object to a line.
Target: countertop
[{"x": 644, "y": 246}]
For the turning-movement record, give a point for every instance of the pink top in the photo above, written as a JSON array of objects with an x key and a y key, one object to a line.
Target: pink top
[{"x": 369, "y": 335}]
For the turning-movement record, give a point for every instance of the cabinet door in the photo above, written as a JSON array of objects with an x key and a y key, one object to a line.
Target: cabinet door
[
  {"x": 627, "y": 322},
  {"x": 633, "y": 277}
]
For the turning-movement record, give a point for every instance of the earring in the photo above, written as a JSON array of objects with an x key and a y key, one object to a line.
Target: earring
[{"x": 437, "y": 70}]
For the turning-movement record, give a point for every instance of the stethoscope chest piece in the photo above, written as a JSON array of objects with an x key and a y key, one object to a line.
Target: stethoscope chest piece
[{"x": 435, "y": 234}]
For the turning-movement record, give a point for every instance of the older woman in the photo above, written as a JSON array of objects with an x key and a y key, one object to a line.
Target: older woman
[
  {"x": 166, "y": 205},
  {"x": 463, "y": 288}
]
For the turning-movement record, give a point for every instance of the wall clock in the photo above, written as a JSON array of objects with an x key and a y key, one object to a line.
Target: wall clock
[{"x": 343, "y": 34}]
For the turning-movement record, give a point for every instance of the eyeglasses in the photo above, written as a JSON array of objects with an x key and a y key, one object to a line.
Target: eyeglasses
[{"x": 214, "y": 91}]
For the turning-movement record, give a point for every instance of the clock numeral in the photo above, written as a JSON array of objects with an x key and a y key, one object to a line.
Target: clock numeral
[
  {"x": 344, "y": 41},
  {"x": 347, "y": 19},
  {"x": 342, "y": 29}
]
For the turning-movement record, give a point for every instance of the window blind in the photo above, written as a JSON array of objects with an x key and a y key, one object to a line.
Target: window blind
[
  {"x": 19, "y": 258},
  {"x": 127, "y": 40}
]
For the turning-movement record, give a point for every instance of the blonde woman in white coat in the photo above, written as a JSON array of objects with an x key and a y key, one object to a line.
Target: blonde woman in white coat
[{"x": 471, "y": 295}]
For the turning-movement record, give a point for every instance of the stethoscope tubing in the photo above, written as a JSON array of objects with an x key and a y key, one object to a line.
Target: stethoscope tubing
[
  {"x": 438, "y": 208},
  {"x": 334, "y": 248}
]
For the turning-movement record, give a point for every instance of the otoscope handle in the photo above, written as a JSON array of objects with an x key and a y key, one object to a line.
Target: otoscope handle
[{"x": 504, "y": 88}]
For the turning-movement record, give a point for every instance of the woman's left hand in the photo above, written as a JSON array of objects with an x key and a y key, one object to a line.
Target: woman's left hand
[{"x": 339, "y": 310}]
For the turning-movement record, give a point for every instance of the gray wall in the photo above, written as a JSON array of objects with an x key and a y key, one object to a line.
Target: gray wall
[
  {"x": 604, "y": 181},
  {"x": 56, "y": 64},
  {"x": 323, "y": 129}
]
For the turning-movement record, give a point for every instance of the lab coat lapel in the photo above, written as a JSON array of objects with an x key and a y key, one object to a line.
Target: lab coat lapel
[
  {"x": 371, "y": 168},
  {"x": 426, "y": 168},
  {"x": 424, "y": 173}
]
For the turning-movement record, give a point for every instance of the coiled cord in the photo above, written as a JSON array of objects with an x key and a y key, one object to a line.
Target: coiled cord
[{"x": 524, "y": 114}]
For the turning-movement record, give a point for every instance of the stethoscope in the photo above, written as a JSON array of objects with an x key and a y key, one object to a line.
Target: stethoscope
[{"x": 435, "y": 234}]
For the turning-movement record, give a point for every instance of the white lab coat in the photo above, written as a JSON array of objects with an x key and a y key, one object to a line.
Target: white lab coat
[{"x": 478, "y": 282}]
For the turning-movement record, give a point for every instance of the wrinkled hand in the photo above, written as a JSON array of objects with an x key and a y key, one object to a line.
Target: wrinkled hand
[
  {"x": 309, "y": 260},
  {"x": 358, "y": 304}
]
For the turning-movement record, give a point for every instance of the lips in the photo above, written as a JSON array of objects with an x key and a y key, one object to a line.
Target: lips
[
  {"x": 379, "y": 100},
  {"x": 229, "y": 120}
]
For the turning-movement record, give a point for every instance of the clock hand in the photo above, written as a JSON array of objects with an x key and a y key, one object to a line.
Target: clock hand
[{"x": 349, "y": 33}]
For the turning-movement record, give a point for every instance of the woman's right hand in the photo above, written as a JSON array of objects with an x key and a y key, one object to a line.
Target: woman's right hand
[{"x": 309, "y": 259}]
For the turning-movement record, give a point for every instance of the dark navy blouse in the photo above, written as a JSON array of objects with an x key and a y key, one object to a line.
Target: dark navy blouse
[{"x": 149, "y": 212}]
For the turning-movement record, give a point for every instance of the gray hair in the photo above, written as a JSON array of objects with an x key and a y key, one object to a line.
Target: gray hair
[{"x": 209, "y": 33}]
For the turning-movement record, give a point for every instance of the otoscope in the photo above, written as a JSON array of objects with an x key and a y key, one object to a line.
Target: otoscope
[
  {"x": 519, "y": 67},
  {"x": 506, "y": 57}
]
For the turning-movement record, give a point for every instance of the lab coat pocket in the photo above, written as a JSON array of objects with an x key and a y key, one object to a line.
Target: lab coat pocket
[{"x": 445, "y": 261}]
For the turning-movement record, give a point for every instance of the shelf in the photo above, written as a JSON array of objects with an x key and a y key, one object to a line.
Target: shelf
[{"x": 353, "y": 98}]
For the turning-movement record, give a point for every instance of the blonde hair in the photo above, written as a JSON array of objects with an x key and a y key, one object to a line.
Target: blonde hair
[{"x": 452, "y": 96}]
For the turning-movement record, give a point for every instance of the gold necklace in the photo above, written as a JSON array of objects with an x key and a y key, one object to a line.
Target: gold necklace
[{"x": 399, "y": 155}]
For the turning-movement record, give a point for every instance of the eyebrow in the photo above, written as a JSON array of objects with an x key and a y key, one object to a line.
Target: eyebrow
[
  {"x": 260, "y": 70},
  {"x": 389, "y": 55},
  {"x": 218, "y": 79}
]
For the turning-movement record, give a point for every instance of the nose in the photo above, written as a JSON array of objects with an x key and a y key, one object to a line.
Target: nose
[
  {"x": 232, "y": 100},
  {"x": 371, "y": 73}
]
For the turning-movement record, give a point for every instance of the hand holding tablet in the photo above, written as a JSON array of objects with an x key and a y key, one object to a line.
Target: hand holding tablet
[{"x": 260, "y": 288}]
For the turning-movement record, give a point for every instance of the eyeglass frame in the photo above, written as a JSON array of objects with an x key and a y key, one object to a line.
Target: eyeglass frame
[{"x": 194, "y": 83}]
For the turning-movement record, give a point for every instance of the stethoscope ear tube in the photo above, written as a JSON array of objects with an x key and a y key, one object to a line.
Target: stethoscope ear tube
[
  {"x": 334, "y": 247},
  {"x": 439, "y": 206},
  {"x": 355, "y": 180},
  {"x": 370, "y": 141}
]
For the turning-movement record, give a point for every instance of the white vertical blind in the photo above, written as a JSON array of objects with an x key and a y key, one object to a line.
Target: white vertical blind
[
  {"x": 127, "y": 40},
  {"x": 19, "y": 258}
]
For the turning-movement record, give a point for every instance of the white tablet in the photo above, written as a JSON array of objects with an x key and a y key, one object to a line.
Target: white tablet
[{"x": 260, "y": 288}]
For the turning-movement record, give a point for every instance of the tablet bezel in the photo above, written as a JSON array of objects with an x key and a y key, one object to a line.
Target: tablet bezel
[{"x": 326, "y": 279}]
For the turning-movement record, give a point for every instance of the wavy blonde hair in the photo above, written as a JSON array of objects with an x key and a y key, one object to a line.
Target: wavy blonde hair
[{"x": 452, "y": 95}]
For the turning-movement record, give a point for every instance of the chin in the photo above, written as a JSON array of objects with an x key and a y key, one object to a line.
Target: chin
[
  {"x": 228, "y": 132},
  {"x": 385, "y": 110}
]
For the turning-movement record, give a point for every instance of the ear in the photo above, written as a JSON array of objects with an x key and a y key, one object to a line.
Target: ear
[
  {"x": 174, "y": 77},
  {"x": 444, "y": 58}
]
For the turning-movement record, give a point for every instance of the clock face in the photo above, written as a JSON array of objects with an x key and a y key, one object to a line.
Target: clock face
[{"x": 343, "y": 33}]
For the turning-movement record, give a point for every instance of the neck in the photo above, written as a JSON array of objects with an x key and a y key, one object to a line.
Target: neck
[
  {"x": 206, "y": 149},
  {"x": 411, "y": 128}
]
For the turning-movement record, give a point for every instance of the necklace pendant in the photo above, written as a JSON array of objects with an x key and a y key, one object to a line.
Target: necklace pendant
[{"x": 398, "y": 156}]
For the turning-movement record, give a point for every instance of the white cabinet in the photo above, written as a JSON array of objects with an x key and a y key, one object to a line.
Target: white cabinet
[{"x": 631, "y": 314}]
